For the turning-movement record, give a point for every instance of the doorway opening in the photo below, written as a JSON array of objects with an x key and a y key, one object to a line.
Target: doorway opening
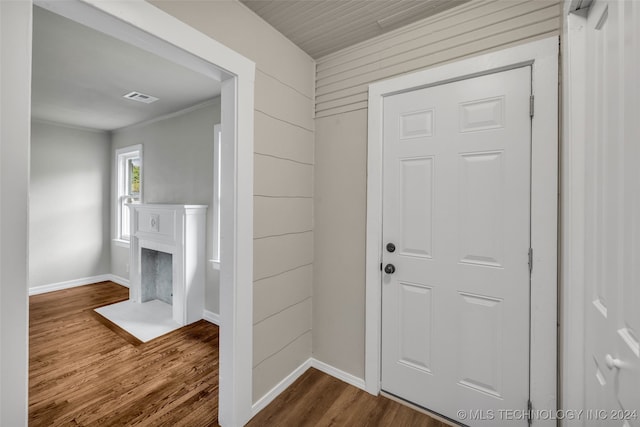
[{"x": 148, "y": 28}]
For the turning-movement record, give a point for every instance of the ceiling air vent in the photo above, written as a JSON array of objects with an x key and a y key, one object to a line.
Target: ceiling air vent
[{"x": 140, "y": 97}]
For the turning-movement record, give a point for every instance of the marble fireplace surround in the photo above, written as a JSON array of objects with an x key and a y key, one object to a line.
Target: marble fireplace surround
[{"x": 178, "y": 231}]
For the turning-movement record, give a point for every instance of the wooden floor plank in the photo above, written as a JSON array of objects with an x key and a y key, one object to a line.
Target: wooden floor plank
[
  {"x": 319, "y": 400},
  {"x": 83, "y": 372}
]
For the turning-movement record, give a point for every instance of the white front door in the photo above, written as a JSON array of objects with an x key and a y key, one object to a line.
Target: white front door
[
  {"x": 612, "y": 221},
  {"x": 456, "y": 207}
]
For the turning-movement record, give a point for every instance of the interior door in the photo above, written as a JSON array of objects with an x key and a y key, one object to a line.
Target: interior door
[
  {"x": 456, "y": 229},
  {"x": 612, "y": 232}
]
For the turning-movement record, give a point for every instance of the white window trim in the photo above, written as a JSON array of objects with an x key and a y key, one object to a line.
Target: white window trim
[
  {"x": 121, "y": 155},
  {"x": 543, "y": 57}
]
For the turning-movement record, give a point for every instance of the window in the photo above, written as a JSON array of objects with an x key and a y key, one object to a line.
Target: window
[
  {"x": 216, "y": 192},
  {"x": 129, "y": 170}
]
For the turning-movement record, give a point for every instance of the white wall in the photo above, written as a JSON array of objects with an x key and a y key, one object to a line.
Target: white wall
[
  {"x": 283, "y": 177},
  {"x": 177, "y": 168},
  {"x": 15, "y": 95},
  {"x": 69, "y": 215},
  {"x": 341, "y": 147}
]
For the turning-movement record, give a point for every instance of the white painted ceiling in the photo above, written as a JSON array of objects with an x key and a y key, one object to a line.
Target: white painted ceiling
[
  {"x": 321, "y": 27},
  {"x": 80, "y": 76}
]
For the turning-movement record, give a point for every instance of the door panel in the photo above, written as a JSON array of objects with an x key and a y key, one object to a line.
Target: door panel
[
  {"x": 481, "y": 190},
  {"x": 416, "y": 207},
  {"x": 481, "y": 344},
  {"x": 414, "y": 327},
  {"x": 483, "y": 114},
  {"x": 456, "y": 203}
]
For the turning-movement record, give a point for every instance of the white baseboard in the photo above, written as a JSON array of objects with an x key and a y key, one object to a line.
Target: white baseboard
[
  {"x": 68, "y": 284},
  {"x": 290, "y": 379},
  {"x": 337, "y": 373},
  {"x": 212, "y": 317},
  {"x": 119, "y": 280},
  {"x": 42, "y": 289},
  {"x": 280, "y": 387}
]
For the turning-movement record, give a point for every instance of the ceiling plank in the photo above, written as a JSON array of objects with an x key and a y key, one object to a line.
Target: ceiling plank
[{"x": 321, "y": 27}]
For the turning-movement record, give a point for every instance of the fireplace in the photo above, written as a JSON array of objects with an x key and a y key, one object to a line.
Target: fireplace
[
  {"x": 167, "y": 257},
  {"x": 156, "y": 277}
]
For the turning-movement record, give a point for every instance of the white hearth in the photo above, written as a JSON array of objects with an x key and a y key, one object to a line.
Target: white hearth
[{"x": 167, "y": 258}]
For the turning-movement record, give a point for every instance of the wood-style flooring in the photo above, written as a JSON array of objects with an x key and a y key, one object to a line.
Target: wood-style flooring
[
  {"x": 85, "y": 372},
  {"x": 317, "y": 399}
]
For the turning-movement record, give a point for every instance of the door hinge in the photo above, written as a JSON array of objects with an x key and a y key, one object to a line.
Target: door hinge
[
  {"x": 530, "y": 260},
  {"x": 531, "y": 106},
  {"x": 529, "y": 412}
]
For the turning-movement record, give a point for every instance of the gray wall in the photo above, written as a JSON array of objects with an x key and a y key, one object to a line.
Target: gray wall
[
  {"x": 341, "y": 147},
  {"x": 283, "y": 177},
  {"x": 177, "y": 168},
  {"x": 69, "y": 204}
]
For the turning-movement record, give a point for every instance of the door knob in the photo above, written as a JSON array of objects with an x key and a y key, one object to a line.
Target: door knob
[
  {"x": 612, "y": 363},
  {"x": 391, "y": 247},
  {"x": 389, "y": 269}
]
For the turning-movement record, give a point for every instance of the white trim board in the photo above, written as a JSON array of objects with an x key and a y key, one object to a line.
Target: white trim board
[
  {"x": 338, "y": 373},
  {"x": 68, "y": 126},
  {"x": 211, "y": 317},
  {"x": 543, "y": 57},
  {"x": 280, "y": 387},
  {"x": 572, "y": 335},
  {"x": 297, "y": 373},
  {"x": 204, "y": 104},
  {"x": 119, "y": 280},
  {"x": 149, "y": 28},
  {"x": 52, "y": 287}
]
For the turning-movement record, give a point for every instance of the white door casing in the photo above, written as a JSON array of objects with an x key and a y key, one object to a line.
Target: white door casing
[
  {"x": 455, "y": 312},
  {"x": 542, "y": 56},
  {"x": 572, "y": 217},
  {"x": 612, "y": 215}
]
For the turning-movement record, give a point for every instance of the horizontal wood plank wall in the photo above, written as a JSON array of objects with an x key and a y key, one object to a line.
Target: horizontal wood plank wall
[
  {"x": 475, "y": 27},
  {"x": 340, "y": 186},
  {"x": 283, "y": 186},
  {"x": 283, "y": 223}
]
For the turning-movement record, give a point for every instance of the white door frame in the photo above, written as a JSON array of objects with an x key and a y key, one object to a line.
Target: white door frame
[
  {"x": 543, "y": 57},
  {"x": 572, "y": 182},
  {"x": 142, "y": 24}
]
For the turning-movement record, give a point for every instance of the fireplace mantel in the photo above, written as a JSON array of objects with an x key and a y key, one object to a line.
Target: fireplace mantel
[{"x": 178, "y": 230}]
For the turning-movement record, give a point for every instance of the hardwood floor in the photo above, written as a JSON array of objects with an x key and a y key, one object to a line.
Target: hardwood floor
[
  {"x": 82, "y": 372},
  {"x": 317, "y": 399}
]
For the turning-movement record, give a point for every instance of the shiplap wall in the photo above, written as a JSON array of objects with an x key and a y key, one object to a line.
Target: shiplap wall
[
  {"x": 342, "y": 83},
  {"x": 477, "y": 26},
  {"x": 283, "y": 186}
]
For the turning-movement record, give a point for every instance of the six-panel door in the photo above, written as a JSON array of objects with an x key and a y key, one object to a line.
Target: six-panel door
[{"x": 456, "y": 204}]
